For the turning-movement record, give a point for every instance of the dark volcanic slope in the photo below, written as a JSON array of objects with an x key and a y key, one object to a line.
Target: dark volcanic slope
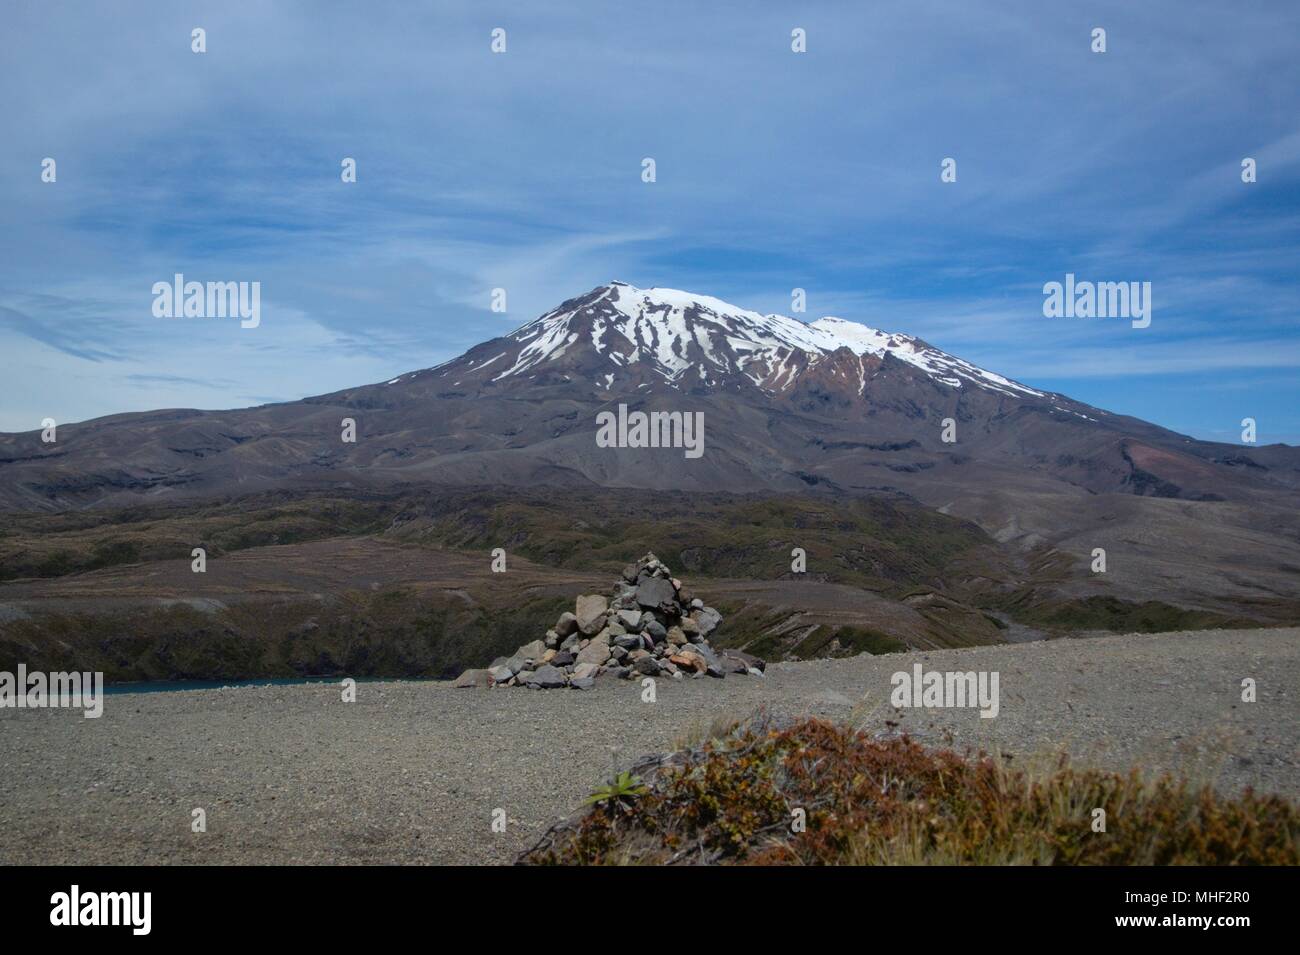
[
  {"x": 831, "y": 405},
  {"x": 785, "y": 404}
]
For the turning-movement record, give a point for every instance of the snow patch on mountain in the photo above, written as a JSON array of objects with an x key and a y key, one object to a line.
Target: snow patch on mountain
[
  {"x": 671, "y": 331},
  {"x": 939, "y": 365}
]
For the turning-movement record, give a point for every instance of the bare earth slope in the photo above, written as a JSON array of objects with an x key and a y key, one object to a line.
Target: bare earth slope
[{"x": 411, "y": 772}]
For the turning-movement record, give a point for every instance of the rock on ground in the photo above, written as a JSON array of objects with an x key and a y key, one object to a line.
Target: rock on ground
[{"x": 411, "y": 772}]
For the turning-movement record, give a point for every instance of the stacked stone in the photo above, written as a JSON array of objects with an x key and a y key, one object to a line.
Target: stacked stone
[{"x": 650, "y": 626}]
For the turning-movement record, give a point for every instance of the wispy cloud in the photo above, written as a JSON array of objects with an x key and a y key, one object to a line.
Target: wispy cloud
[
  {"x": 522, "y": 171},
  {"x": 75, "y": 338}
]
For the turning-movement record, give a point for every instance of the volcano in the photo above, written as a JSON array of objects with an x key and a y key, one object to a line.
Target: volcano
[
  {"x": 831, "y": 404},
  {"x": 826, "y": 407}
]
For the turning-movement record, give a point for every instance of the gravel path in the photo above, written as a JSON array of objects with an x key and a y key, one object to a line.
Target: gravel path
[{"x": 411, "y": 772}]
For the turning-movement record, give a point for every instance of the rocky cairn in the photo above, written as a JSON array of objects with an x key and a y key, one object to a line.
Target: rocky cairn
[{"x": 650, "y": 626}]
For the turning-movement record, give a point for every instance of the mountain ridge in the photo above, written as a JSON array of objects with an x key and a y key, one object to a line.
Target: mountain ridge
[
  {"x": 1052, "y": 479},
  {"x": 673, "y": 332},
  {"x": 832, "y": 405}
]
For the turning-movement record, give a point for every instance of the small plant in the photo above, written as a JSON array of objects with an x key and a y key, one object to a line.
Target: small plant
[
  {"x": 870, "y": 801},
  {"x": 618, "y": 795}
]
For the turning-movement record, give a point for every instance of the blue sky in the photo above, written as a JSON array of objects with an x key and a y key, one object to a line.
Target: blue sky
[{"x": 522, "y": 170}]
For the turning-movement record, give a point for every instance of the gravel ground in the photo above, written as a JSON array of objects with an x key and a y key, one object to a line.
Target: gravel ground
[{"x": 412, "y": 772}]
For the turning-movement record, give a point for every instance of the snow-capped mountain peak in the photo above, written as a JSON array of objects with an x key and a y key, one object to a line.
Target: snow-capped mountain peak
[{"x": 701, "y": 341}]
